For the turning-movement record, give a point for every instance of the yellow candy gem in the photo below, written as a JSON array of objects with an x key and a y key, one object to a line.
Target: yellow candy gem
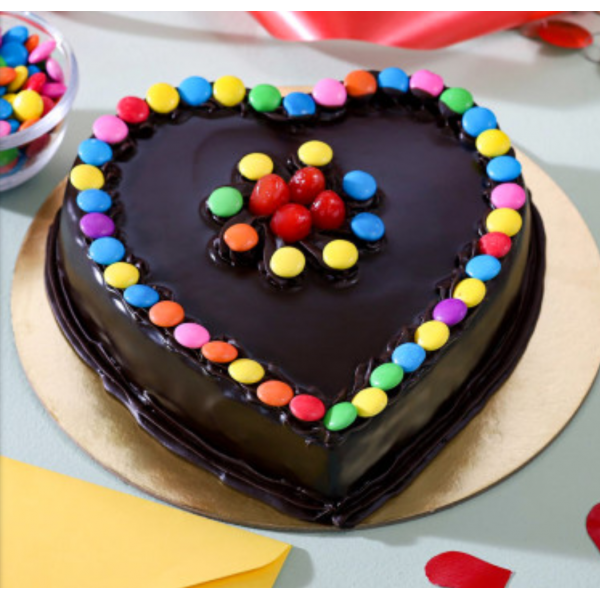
[
  {"x": 86, "y": 177},
  {"x": 229, "y": 90},
  {"x": 246, "y": 371},
  {"x": 28, "y": 105},
  {"x": 504, "y": 220},
  {"x": 121, "y": 275},
  {"x": 19, "y": 80},
  {"x": 370, "y": 402},
  {"x": 162, "y": 98},
  {"x": 470, "y": 291},
  {"x": 287, "y": 262},
  {"x": 315, "y": 153},
  {"x": 256, "y": 165},
  {"x": 340, "y": 255},
  {"x": 10, "y": 98},
  {"x": 432, "y": 335},
  {"x": 493, "y": 142}
]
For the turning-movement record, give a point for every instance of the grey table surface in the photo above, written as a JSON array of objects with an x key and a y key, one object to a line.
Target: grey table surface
[{"x": 547, "y": 99}]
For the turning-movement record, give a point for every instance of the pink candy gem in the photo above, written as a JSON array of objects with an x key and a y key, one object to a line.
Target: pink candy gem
[
  {"x": 110, "y": 129},
  {"x": 4, "y": 128},
  {"x": 54, "y": 70},
  {"x": 508, "y": 195},
  {"x": 329, "y": 92},
  {"x": 426, "y": 81},
  {"x": 54, "y": 89},
  {"x": 42, "y": 52},
  {"x": 191, "y": 335}
]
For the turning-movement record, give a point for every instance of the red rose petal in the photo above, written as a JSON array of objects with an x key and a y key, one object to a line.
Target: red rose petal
[
  {"x": 460, "y": 570},
  {"x": 593, "y": 525},
  {"x": 564, "y": 34}
]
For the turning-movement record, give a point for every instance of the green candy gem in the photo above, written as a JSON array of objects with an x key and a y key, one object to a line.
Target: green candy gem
[
  {"x": 387, "y": 376},
  {"x": 225, "y": 202},
  {"x": 2, "y": 62},
  {"x": 7, "y": 156},
  {"x": 264, "y": 97},
  {"x": 457, "y": 100},
  {"x": 340, "y": 416}
]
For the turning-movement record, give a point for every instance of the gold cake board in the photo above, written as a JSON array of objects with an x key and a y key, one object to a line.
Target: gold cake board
[{"x": 528, "y": 412}]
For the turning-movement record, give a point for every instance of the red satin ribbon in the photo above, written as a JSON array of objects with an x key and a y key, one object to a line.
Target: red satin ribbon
[{"x": 418, "y": 30}]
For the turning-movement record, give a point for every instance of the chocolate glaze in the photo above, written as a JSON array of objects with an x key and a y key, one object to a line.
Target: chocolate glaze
[{"x": 314, "y": 337}]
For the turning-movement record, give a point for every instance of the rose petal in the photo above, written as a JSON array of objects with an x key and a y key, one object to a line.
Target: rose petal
[{"x": 461, "y": 570}]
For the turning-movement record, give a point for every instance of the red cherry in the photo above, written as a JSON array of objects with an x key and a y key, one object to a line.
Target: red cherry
[
  {"x": 306, "y": 185},
  {"x": 269, "y": 193},
  {"x": 328, "y": 211},
  {"x": 291, "y": 223}
]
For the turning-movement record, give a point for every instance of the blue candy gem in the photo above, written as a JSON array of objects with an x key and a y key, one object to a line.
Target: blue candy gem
[
  {"x": 106, "y": 251},
  {"x": 14, "y": 54},
  {"x": 32, "y": 70},
  {"x": 359, "y": 185},
  {"x": 409, "y": 356},
  {"x": 477, "y": 120},
  {"x": 483, "y": 267},
  {"x": 3, "y": 90},
  {"x": 368, "y": 227},
  {"x": 298, "y": 104},
  {"x": 195, "y": 91},
  {"x": 503, "y": 168},
  {"x": 94, "y": 201},
  {"x": 6, "y": 109},
  {"x": 393, "y": 78},
  {"x": 14, "y": 124},
  {"x": 141, "y": 296},
  {"x": 17, "y": 34},
  {"x": 95, "y": 152}
]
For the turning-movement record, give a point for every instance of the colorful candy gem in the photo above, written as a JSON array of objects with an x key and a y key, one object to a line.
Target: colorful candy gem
[
  {"x": 495, "y": 244},
  {"x": 432, "y": 335},
  {"x": 229, "y": 90},
  {"x": 315, "y": 153},
  {"x": 393, "y": 78},
  {"x": 36, "y": 82},
  {"x": 330, "y": 93},
  {"x": 387, "y": 376},
  {"x": 240, "y": 237},
  {"x": 508, "y": 195},
  {"x": 219, "y": 352},
  {"x": 470, "y": 291},
  {"x": 328, "y": 211},
  {"x": 426, "y": 81},
  {"x": 18, "y": 33},
  {"x": 85, "y": 177},
  {"x": 287, "y": 262},
  {"x": 121, "y": 275},
  {"x": 367, "y": 227},
  {"x": 298, "y": 104},
  {"x": 28, "y": 105},
  {"x": 359, "y": 185},
  {"x": 340, "y": 255},
  {"x": 275, "y": 393},
  {"x": 6, "y": 109},
  {"x": 270, "y": 192},
  {"x": 110, "y": 129},
  {"x": 370, "y": 402},
  {"x": 166, "y": 314},
  {"x": 5, "y": 128},
  {"x": 14, "y": 54},
  {"x": 307, "y": 408},
  {"x": 32, "y": 42},
  {"x": 477, "y": 120},
  {"x": 246, "y": 371},
  {"x": 256, "y": 165},
  {"x": 141, "y": 296},
  {"x": 306, "y": 184},
  {"x": 504, "y": 220},
  {"x": 225, "y": 202},
  {"x": 42, "y": 51},
  {"x": 54, "y": 89},
  {"x": 96, "y": 225},
  {"x": 162, "y": 98},
  {"x": 191, "y": 335},
  {"x": 21, "y": 74},
  {"x": 264, "y": 98},
  {"x": 457, "y": 99},
  {"x": 106, "y": 251},
  {"x": 564, "y": 34},
  {"x": 195, "y": 91},
  {"x": 503, "y": 168},
  {"x": 7, "y": 75},
  {"x": 483, "y": 267},
  {"x": 94, "y": 152},
  {"x": 9, "y": 157},
  {"x": 133, "y": 110},
  {"x": 291, "y": 222},
  {"x": 409, "y": 356},
  {"x": 340, "y": 416},
  {"x": 94, "y": 201},
  {"x": 360, "y": 83},
  {"x": 54, "y": 70},
  {"x": 492, "y": 142},
  {"x": 450, "y": 311}
]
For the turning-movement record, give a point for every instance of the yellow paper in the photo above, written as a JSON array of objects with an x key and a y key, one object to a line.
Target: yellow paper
[{"x": 56, "y": 531}]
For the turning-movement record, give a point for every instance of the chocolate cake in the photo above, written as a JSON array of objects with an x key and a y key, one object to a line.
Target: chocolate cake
[{"x": 308, "y": 296}]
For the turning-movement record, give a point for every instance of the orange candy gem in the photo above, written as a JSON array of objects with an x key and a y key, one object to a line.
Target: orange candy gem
[
  {"x": 32, "y": 42},
  {"x": 275, "y": 393},
  {"x": 7, "y": 75},
  {"x": 166, "y": 314},
  {"x": 360, "y": 83},
  {"x": 241, "y": 237},
  {"x": 219, "y": 352}
]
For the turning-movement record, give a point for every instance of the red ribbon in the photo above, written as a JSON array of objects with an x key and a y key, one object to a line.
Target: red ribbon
[{"x": 418, "y": 30}]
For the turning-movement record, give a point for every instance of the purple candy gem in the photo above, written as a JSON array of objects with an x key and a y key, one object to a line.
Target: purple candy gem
[
  {"x": 96, "y": 225},
  {"x": 450, "y": 311}
]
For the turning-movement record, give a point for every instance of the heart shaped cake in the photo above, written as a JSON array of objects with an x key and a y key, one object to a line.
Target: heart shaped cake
[{"x": 307, "y": 295}]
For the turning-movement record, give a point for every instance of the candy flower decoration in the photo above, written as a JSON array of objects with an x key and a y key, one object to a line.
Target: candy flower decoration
[{"x": 287, "y": 220}]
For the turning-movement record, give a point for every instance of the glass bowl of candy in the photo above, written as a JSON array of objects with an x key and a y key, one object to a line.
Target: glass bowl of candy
[{"x": 38, "y": 83}]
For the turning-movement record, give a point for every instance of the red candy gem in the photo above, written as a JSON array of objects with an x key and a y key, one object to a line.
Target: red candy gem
[
  {"x": 307, "y": 408},
  {"x": 132, "y": 110},
  {"x": 495, "y": 244},
  {"x": 48, "y": 105},
  {"x": 269, "y": 193},
  {"x": 565, "y": 34},
  {"x": 36, "y": 82},
  {"x": 328, "y": 211},
  {"x": 291, "y": 223},
  {"x": 37, "y": 145},
  {"x": 306, "y": 185}
]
